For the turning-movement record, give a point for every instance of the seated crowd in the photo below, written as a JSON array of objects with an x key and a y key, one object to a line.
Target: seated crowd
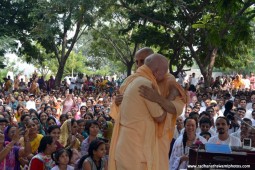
[{"x": 72, "y": 129}]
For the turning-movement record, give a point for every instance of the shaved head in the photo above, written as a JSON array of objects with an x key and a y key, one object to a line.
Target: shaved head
[
  {"x": 141, "y": 54},
  {"x": 158, "y": 65}
]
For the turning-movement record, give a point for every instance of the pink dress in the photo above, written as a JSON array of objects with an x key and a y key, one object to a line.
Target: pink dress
[{"x": 67, "y": 106}]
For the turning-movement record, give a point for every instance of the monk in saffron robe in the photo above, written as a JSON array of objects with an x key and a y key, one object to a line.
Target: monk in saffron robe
[
  {"x": 137, "y": 144},
  {"x": 173, "y": 99}
]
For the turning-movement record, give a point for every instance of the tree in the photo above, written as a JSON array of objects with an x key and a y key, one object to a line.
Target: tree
[
  {"x": 57, "y": 25},
  {"x": 111, "y": 41},
  {"x": 206, "y": 29}
]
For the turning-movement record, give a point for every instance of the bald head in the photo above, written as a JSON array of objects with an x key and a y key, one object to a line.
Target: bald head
[
  {"x": 158, "y": 65},
  {"x": 141, "y": 54}
]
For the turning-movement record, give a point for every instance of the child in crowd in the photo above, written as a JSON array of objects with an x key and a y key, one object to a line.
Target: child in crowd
[
  {"x": 95, "y": 159},
  {"x": 206, "y": 135},
  {"x": 62, "y": 158}
]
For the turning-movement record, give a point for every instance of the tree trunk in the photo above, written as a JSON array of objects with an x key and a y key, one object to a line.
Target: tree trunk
[
  {"x": 60, "y": 72},
  {"x": 206, "y": 67},
  {"x": 129, "y": 68}
]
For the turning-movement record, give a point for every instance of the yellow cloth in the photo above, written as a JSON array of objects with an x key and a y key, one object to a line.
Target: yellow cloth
[
  {"x": 65, "y": 130},
  {"x": 237, "y": 84},
  {"x": 34, "y": 144},
  {"x": 165, "y": 129},
  {"x": 134, "y": 142}
]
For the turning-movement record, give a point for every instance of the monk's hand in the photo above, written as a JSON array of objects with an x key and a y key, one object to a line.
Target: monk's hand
[
  {"x": 173, "y": 93},
  {"x": 149, "y": 93},
  {"x": 118, "y": 98}
]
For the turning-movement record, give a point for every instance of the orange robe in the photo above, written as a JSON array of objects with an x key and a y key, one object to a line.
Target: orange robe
[
  {"x": 134, "y": 143},
  {"x": 164, "y": 130}
]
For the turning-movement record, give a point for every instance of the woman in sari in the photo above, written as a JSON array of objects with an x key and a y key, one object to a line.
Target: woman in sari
[
  {"x": 33, "y": 138},
  {"x": 68, "y": 138},
  {"x": 54, "y": 132},
  {"x": 68, "y": 134},
  {"x": 9, "y": 151},
  {"x": 18, "y": 114}
]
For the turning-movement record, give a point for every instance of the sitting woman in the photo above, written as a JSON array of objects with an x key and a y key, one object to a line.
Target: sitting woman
[
  {"x": 180, "y": 153},
  {"x": 33, "y": 138},
  {"x": 68, "y": 134},
  {"x": 54, "y": 132},
  {"x": 39, "y": 126},
  {"x": 106, "y": 127},
  {"x": 92, "y": 128},
  {"x": 81, "y": 129},
  {"x": 9, "y": 151},
  {"x": 68, "y": 139},
  {"x": 43, "y": 160}
]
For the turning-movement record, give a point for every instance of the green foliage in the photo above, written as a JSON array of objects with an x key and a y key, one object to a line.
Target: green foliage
[{"x": 204, "y": 30}]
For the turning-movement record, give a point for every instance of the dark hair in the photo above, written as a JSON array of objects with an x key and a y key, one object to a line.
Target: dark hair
[
  {"x": 52, "y": 127},
  {"x": 55, "y": 156},
  {"x": 205, "y": 133},
  {"x": 63, "y": 116},
  {"x": 222, "y": 117},
  {"x": 46, "y": 140},
  {"x": 82, "y": 107},
  {"x": 89, "y": 123},
  {"x": 93, "y": 146},
  {"x": 192, "y": 88},
  {"x": 19, "y": 106},
  {"x": 247, "y": 120},
  {"x": 103, "y": 116},
  {"x": 89, "y": 114},
  {"x": 185, "y": 137},
  {"x": 41, "y": 114},
  {"x": 46, "y": 107},
  {"x": 204, "y": 113},
  {"x": 240, "y": 108},
  {"x": 73, "y": 121},
  {"x": 23, "y": 117},
  {"x": 193, "y": 114},
  {"x": 205, "y": 120},
  {"x": 51, "y": 118},
  {"x": 33, "y": 111},
  {"x": 80, "y": 121},
  {"x": 208, "y": 108}
]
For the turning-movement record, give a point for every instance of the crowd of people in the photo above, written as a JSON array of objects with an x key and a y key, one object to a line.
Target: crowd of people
[{"x": 148, "y": 122}]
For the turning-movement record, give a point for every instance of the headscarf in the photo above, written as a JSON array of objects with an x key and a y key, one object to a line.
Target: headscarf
[{"x": 65, "y": 130}]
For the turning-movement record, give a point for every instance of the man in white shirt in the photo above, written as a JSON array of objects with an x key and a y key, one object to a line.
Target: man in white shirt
[
  {"x": 222, "y": 125},
  {"x": 245, "y": 129},
  {"x": 31, "y": 102},
  {"x": 249, "y": 105}
]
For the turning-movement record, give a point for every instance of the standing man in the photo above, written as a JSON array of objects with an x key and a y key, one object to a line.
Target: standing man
[
  {"x": 136, "y": 147},
  {"x": 175, "y": 106}
]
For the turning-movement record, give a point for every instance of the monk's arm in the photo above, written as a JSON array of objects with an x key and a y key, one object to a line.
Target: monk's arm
[
  {"x": 153, "y": 95},
  {"x": 160, "y": 118}
]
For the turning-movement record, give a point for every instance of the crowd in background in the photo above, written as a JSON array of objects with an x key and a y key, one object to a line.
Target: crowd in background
[{"x": 68, "y": 127}]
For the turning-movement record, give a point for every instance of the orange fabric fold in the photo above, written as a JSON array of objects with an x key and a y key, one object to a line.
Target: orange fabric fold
[{"x": 143, "y": 71}]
